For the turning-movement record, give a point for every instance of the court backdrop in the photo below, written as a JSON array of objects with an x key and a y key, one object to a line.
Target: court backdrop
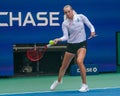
[{"x": 30, "y": 21}]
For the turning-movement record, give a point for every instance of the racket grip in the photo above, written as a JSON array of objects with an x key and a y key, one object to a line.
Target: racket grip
[
  {"x": 35, "y": 47},
  {"x": 48, "y": 45}
]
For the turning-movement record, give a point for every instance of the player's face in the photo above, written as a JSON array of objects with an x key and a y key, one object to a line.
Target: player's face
[{"x": 68, "y": 12}]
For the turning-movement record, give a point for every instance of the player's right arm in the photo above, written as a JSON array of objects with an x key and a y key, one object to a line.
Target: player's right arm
[{"x": 65, "y": 34}]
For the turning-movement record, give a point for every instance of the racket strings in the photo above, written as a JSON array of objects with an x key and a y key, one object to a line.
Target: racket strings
[{"x": 35, "y": 55}]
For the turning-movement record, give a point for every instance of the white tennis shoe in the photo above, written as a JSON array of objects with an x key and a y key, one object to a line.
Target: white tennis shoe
[
  {"x": 84, "y": 88},
  {"x": 54, "y": 85}
]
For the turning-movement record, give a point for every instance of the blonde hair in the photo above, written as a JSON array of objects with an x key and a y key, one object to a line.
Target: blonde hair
[
  {"x": 67, "y": 6},
  {"x": 74, "y": 12}
]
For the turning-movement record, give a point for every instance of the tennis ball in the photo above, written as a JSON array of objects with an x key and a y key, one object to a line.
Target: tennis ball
[{"x": 51, "y": 42}]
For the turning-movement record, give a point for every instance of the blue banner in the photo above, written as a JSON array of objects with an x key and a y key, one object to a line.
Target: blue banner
[{"x": 30, "y": 21}]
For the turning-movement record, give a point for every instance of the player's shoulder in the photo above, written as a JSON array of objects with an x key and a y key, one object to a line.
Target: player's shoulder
[
  {"x": 80, "y": 15},
  {"x": 65, "y": 22}
]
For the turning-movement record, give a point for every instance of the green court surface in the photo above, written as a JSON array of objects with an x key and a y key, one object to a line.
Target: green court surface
[{"x": 42, "y": 83}]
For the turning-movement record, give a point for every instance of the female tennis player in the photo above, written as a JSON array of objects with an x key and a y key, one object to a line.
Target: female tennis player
[{"x": 74, "y": 32}]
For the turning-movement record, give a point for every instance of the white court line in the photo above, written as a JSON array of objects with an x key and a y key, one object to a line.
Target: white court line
[{"x": 3, "y": 94}]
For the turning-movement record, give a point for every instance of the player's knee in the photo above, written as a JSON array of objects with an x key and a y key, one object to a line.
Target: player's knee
[{"x": 79, "y": 61}]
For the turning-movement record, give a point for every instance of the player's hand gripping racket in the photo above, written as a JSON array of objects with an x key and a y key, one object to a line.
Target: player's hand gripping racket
[{"x": 37, "y": 53}]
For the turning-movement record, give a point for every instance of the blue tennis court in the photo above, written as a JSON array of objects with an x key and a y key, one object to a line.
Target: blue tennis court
[
  {"x": 94, "y": 92},
  {"x": 107, "y": 84}
]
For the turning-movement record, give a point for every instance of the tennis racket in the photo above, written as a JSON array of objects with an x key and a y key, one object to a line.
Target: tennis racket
[{"x": 37, "y": 52}]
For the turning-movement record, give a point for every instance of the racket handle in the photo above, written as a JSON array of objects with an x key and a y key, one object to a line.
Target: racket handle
[
  {"x": 35, "y": 47},
  {"x": 48, "y": 45},
  {"x": 51, "y": 42}
]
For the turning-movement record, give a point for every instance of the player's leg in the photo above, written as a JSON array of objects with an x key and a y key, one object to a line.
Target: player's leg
[
  {"x": 66, "y": 61},
  {"x": 80, "y": 59}
]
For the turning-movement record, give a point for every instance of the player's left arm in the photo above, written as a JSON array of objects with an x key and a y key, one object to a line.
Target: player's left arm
[{"x": 89, "y": 25}]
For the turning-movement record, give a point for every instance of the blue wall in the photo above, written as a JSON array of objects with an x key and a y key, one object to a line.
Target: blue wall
[{"x": 104, "y": 14}]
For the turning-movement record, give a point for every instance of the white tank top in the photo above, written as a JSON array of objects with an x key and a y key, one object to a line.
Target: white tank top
[{"x": 74, "y": 30}]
